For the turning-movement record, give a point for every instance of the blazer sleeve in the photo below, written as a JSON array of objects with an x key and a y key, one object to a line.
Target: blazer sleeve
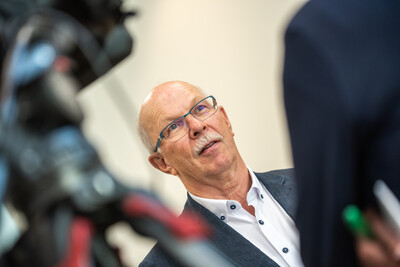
[{"x": 157, "y": 257}]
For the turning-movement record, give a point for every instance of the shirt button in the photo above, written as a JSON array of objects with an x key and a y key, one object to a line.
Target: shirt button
[
  {"x": 233, "y": 207},
  {"x": 261, "y": 222},
  {"x": 222, "y": 217},
  {"x": 285, "y": 250}
]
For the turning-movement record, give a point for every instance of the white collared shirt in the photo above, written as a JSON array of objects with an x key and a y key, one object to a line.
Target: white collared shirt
[{"x": 272, "y": 230}]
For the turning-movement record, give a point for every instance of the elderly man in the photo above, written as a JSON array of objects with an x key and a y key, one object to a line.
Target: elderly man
[{"x": 190, "y": 136}]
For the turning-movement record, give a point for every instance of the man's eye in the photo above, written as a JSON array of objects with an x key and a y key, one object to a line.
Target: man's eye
[
  {"x": 201, "y": 108},
  {"x": 175, "y": 126}
]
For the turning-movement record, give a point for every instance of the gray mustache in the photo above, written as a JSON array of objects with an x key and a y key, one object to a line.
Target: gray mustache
[{"x": 204, "y": 140}]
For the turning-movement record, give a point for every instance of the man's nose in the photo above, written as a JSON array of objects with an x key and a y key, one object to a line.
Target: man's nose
[{"x": 196, "y": 126}]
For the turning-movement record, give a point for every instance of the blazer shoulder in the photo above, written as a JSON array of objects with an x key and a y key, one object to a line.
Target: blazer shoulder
[
  {"x": 281, "y": 176},
  {"x": 157, "y": 257}
]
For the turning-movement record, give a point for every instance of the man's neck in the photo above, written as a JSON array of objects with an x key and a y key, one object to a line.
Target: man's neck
[{"x": 234, "y": 183}]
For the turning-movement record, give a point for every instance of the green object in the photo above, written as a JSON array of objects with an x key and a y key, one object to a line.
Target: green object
[{"x": 353, "y": 218}]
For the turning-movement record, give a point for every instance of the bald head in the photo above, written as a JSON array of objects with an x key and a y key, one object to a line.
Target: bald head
[
  {"x": 204, "y": 155},
  {"x": 157, "y": 105}
]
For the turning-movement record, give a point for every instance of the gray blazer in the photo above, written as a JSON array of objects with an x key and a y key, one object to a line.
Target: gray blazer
[{"x": 279, "y": 183}]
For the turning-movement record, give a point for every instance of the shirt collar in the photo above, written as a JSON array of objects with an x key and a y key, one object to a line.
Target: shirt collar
[
  {"x": 256, "y": 190},
  {"x": 216, "y": 206},
  {"x": 220, "y": 207}
]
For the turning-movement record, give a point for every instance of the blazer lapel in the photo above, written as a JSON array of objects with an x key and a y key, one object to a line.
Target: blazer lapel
[
  {"x": 235, "y": 246},
  {"x": 281, "y": 184},
  {"x": 282, "y": 187}
]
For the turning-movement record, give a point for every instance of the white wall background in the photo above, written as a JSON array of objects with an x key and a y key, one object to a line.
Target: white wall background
[{"x": 232, "y": 49}]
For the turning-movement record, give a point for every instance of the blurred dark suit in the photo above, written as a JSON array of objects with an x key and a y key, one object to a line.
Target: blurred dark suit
[{"x": 342, "y": 97}]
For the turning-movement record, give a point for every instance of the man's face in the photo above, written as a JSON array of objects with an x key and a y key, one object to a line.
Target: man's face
[{"x": 185, "y": 157}]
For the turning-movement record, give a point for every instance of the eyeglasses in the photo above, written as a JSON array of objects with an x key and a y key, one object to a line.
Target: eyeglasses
[{"x": 177, "y": 129}]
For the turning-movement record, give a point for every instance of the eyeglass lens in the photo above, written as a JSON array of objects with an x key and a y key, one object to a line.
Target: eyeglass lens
[{"x": 201, "y": 111}]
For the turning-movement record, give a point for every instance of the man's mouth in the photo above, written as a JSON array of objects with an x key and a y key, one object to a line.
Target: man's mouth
[
  {"x": 206, "y": 141},
  {"x": 207, "y": 147}
]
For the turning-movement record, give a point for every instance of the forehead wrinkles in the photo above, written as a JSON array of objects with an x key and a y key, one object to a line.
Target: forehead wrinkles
[
  {"x": 170, "y": 101},
  {"x": 175, "y": 109}
]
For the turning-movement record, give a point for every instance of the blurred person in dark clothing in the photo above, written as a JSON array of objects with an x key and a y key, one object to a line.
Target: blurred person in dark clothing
[{"x": 342, "y": 97}]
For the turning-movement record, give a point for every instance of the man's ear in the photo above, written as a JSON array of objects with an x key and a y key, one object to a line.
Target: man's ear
[
  {"x": 158, "y": 162},
  {"x": 228, "y": 122}
]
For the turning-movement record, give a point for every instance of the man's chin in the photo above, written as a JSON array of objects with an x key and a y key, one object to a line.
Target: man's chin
[{"x": 217, "y": 166}]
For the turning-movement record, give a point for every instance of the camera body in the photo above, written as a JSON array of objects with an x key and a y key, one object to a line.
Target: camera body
[{"x": 49, "y": 50}]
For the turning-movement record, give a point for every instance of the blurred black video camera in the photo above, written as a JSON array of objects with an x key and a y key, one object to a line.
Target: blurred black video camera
[
  {"x": 49, "y": 49},
  {"x": 49, "y": 172}
]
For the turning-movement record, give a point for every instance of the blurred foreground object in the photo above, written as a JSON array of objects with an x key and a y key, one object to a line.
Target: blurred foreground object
[
  {"x": 49, "y": 173},
  {"x": 342, "y": 97}
]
